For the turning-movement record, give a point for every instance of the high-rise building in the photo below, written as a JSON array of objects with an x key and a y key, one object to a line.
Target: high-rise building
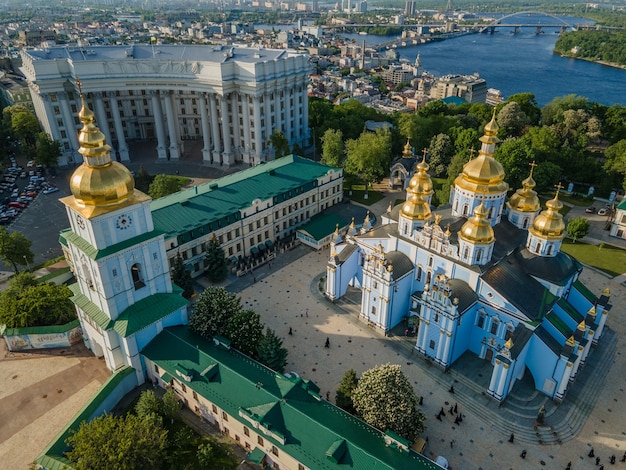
[{"x": 230, "y": 98}]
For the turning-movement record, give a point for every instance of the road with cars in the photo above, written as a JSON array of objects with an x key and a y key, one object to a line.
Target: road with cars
[{"x": 30, "y": 204}]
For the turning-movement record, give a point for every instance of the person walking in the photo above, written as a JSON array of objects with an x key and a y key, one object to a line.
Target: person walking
[{"x": 327, "y": 343}]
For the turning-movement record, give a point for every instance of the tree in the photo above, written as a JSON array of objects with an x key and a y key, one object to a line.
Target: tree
[
  {"x": 280, "y": 144},
  {"x": 528, "y": 104},
  {"x": 213, "y": 309},
  {"x": 215, "y": 261},
  {"x": 577, "y": 228},
  {"x": 163, "y": 185},
  {"x": 515, "y": 155},
  {"x": 171, "y": 405},
  {"x": 343, "y": 396},
  {"x": 143, "y": 180},
  {"x": 369, "y": 156},
  {"x": 270, "y": 351},
  {"x": 149, "y": 403},
  {"x": 297, "y": 150},
  {"x": 127, "y": 442},
  {"x": 15, "y": 249},
  {"x": 440, "y": 152},
  {"x": 205, "y": 455},
  {"x": 48, "y": 151},
  {"x": 333, "y": 148},
  {"x": 182, "y": 277},
  {"x": 512, "y": 119},
  {"x": 22, "y": 123},
  {"x": 385, "y": 399},
  {"x": 245, "y": 330},
  {"x": 39, "y": 305},
  {"x": 615, "y": 160}
]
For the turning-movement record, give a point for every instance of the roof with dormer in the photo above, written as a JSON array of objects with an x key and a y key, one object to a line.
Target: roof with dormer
[{"x": 287, "y": 411}]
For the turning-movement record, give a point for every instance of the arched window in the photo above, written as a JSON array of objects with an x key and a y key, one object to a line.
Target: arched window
[
  {"x": 549, "y": 252},
  {"x": 406, "y": 228},
  {"x": 373, "y": 310},
  {"x": 456, "y": 205},
  {"x": 465, "y": 252},
  {"x": 479, "y": 254},
  {"x": 419, "y": 273},
  {"x": 428, "y": 276},
  {"x": 538, "y": 249},
  {"x": 465, "y": 210},
  {"x": 525, "y": 225},
  {"x": 490, "y": 212},
  {"x": 494, "y": 326},
  {"x": 87, "y": 274},
  {"x": 135, "y": 272}
]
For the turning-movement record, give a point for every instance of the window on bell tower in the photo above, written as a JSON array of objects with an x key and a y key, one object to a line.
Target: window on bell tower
[{"x": 135, "y": 271}]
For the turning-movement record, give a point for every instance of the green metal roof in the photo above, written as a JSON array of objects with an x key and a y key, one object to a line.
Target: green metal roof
[
  {"x": 559, "y": 324},
  {"x": 622, "y": 205},
  {"x": 190, "y": 209},
  {"x": 52, "y": 457},
  {"x": 70, "y": 237},
  {"x": 570, "y": 310},
  {"x": 149, "y": 310},
  {"x": 297, "y": 420},
  {"x": 323, "y": 225},
  {"x": 89, "y": 308},
  {"x": 41, "y": 330},
  {"x": 586, "y": 293},
  {"x": 256, "y": 456}
]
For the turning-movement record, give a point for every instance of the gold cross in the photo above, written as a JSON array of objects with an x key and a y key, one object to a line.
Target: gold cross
[
  {"x": 532, "y": 167},
  {"x": 79, "y": 84},
  {"x": 472, "y": 151},
  {"x": 425, "y": 152},
  {"x": 558, "y": 188}
]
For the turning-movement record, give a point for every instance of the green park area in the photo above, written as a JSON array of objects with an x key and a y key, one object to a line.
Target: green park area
[{"x": 606, "y": 258}]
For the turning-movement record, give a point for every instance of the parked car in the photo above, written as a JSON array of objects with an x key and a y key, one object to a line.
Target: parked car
[
  {"x": 30, "y": 163},
  {"x": 23, "y": 175},
  {"x": 10, "y": 213},
  {"x": 50, "y": 190},
  {"x": 590, "y": 210},
  {"x": 17, "y": 205},
  {"x": 603, "y": 211}
]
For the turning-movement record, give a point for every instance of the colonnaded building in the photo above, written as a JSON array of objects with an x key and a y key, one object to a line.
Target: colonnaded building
[
  {"x": 485, "y": 277},
  {"x": 133, "y": 316},
  {"x": 232, "y": 98}
]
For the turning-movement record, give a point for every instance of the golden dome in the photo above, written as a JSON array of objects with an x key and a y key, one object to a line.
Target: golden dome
[
  {"x": 421, "y": 184},
  {"x": 99, "y": 185},
  {"x": 484, "y": 173},
  {"x": 549, "y": 224},
  {"x": 407, "y": 152},
  {"x": 525, "y": 199},
  {"x": 416, "y": 208},
  {"x": 478, "y": 229}
]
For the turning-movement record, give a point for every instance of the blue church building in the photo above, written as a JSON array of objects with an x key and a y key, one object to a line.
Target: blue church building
[{"x": 485, "y": 276}]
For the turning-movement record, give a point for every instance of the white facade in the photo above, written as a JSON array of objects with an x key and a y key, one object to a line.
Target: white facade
[{"x": 233, "y": 98}]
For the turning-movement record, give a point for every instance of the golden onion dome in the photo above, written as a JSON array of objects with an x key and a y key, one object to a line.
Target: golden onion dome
[
  {"x": 549, "y": 224},
  {"x": 416, "y": 208},
  {"x": 525, "y": 199},
  {"x": 421, "y": 184},
  {"x": 99, "y": 181},
  {"x": 491, "y": 128},
  {"x": 407, "y": 152},
  {"x": 483, "y": 173},
  {"x": 478, "y": 229}
]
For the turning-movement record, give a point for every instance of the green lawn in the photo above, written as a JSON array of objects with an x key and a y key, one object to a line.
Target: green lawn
[
  {"x": 358, "y": 195},
  {"x": 576, "y": 200},
  {"x": 609, "y": 259}
]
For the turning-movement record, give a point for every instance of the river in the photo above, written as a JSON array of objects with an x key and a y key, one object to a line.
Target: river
[{"x": 518, "y": 63}]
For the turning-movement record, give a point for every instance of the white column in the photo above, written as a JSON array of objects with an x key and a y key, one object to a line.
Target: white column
[
  {"x": 503, "y": 377},
  {"x": 267, "y": 110},
  {"x": 494, "y": 376},
  {"x": 446, "y": 349},
  {"x": 440, "y": 344},
  {"x": 288, "y": 114},
  {"x": 157, "y": 110},
  {"x": 171, "y": 126},
  {"x": 206, "y": 134},
  {"x": 278, "y": 109},
  {"x": 215, "y": 127},
  {"x": 70, "y": 126},
  {"x": 424, "y": 326},
  {"x": 564, "y": 379},
  {"x": 119, "y": 130},
  {"x": 101, "y": 114},
  {"x": 234, "y": 109},
  {"x": 257, "y": 131},
  {"x": 246, "y": 127},
  {"x": 225, "y": 118},
  {"x": 51, "y": 117},
  {"x": 297, "y": 128},
  {"x": 305, "y": 114}
]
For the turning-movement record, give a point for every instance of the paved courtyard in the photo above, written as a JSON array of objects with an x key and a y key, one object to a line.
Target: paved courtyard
[{"x": 290, "y": 298}]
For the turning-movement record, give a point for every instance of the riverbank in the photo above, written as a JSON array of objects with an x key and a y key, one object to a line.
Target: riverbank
[{"x": 593, "y": 61}]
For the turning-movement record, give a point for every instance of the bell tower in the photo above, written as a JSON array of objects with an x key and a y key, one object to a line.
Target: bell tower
[{"x": 124, "y": 294}]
